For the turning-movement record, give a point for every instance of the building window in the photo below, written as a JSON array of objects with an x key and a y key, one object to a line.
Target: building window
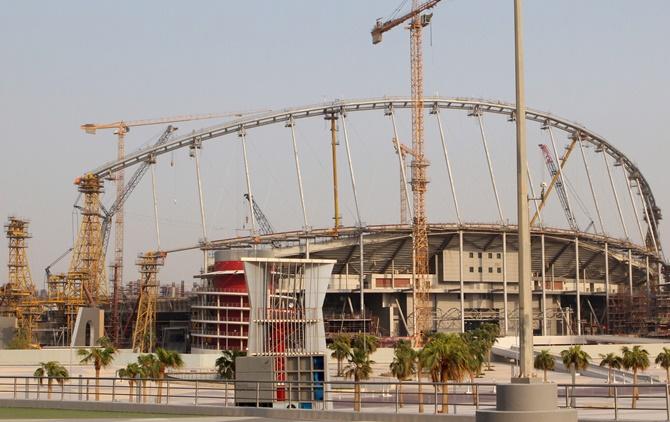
[
  {"x": 498, "y": 255},
  {"x": 490, "y": 255},
  {"x": 472, "y": 255},
  {"x": 499, "y": 270},
  {"x": 472, "y": 269},
  {"x": 479, "y": 255},
  {"x": 480, "y": 269},
  {"x": 490, "y": 269}
]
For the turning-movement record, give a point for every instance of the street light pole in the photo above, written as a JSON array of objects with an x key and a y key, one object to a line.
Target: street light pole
[{"x": 525, "y": 288}]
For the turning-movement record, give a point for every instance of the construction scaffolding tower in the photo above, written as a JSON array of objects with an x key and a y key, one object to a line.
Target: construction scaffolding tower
[
  {"x": 18, "y": 294},
  {"x": 629, "y": 313},
  {"x": 144, "y": 333},
  {"x": 85, "y": 283}
]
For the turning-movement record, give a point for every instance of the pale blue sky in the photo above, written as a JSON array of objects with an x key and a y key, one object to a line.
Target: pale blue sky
[{"x": 604, "y": 63}]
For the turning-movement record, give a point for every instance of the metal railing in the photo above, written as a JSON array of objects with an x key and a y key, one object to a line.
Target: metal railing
[{"x": 604, "y": 400}]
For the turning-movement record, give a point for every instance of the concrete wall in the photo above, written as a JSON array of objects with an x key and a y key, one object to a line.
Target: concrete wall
[{"x": 92, "y": 320}]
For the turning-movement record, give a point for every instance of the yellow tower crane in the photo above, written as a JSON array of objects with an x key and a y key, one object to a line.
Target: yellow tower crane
[
  {"x": 121, "y": 128},
  {"x": 417, "y": 21}
]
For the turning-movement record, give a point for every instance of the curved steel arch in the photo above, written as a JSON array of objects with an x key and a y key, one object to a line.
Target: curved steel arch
[{"x": 196, "y": 138}]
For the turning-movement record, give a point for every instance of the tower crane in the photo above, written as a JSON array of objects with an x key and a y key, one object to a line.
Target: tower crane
[
  {"x": 417, "y": 21},
  {"x": 560, "y": 189},
  {"x": 121, "y": 128}
]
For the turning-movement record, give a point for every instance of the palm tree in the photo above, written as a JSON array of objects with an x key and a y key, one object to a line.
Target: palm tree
[
  {"x": 575, "y": 359},
  {"x": 448, "y": 358},
  {"x": 130, "y": 372},
  {"x": 365, "y": 342},
  {"x": 359, "y": 368},
  {"x": 490, "y": 332},
  {"x": 341, "y": 347},
  {"x": 166, "y": 359},
  {"x": 403, "y": 365},
  {"x": 148, "y": 370},
  {"x": 545, "y": 361},
  {"x": 101, "y": 357},
  {"x": 225, "y": 364},
  {"x": 421, "y": 364},
  {"x": 611, "y": 361},
  {"x": 663, "y": 359},
  {"x": 636, "y": 359},
  {"x": 51, "y": 370}
]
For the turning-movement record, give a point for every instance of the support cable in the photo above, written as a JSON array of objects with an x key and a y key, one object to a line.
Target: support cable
[
  {"x": 646, "y": 216},
  {"x": 155, "y": 200},
  {"x": 532, "y": 193},
  {"x": 571, "y": 215},
  {"x": 632, "y": 203}
]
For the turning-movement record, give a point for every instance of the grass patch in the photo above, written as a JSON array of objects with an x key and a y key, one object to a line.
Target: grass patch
[{"x": 34, "y": 413}]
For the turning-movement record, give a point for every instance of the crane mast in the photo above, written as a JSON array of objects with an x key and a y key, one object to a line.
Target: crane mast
[
  {"x": 419, "y": 164},
  {"x": 560, "y": 189}
]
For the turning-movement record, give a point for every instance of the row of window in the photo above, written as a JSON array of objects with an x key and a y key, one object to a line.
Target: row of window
[
  {"x": 479, "y": 270},
  {"x": 479, "y": 255}
]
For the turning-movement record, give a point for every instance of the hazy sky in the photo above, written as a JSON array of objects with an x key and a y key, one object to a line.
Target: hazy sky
[{"x": 603, "y": 63}]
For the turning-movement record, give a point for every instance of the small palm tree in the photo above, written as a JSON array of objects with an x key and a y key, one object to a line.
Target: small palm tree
[
  {"x": 663, "y": 359},
  {"x": 359, "y": 368},
  {"x": 544, "y": 361},
  {"x": 101, "y": 357},
  {"x": 51, "y": 370},
  {"x": 611, "y": 361},
  {"x": 130, "y": 372},
  {"x": 341, "y": 347},
  {"x": 225, "y": 364},
  {"x": 575, "y": 359},
  {"x": 148, "y": 370},
  {"x": 477, "y": 343},
  {"x": 636, "y": 359},
  {"x": 490, "y": 332},
  {"x": 447, "y": 356},
  {"x": 365, "y": 342},
  {"x": 166, "y": 359},
  {"x": 403, "y": 365}
]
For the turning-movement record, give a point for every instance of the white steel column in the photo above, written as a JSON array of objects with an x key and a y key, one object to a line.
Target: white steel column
[
  {"x": 616, "y": 196},
  {"x": 478, "y": 114},
  {"x": 195, "y": 150},
  {"x": 401, "y": 161},
  {"x": 630, "y": 272},
  {"x": 544, "y": 293},
  {"x": 448, "y": 163},
  {"x": 155, "y": 200},
  {"x": 607, "y": 287},
  {"x": 460, "y": 278},
  {"x": 579, "y": 305},
  {"x": 588, "y": 176},
  {"x": 243, "y": 137},
  {"x": 632, "y": 204},
  {"x": 504, "y": 275},
  {"x": 291, "y": 124},
  {"x": 351, "y": 169}
]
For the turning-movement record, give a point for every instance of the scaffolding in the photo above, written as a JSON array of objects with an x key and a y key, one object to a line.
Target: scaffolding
[
  {"x": 630, "y": 313},
  {"x": 144, "y": 332},
  {"x": 18, "y": 294}
]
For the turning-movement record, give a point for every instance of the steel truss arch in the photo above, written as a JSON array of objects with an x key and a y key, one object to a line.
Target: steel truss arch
[{"x": 348, "y": 106}]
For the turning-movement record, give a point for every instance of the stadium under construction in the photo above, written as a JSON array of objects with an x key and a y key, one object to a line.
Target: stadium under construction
[{"x": 586, "y": 280}]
